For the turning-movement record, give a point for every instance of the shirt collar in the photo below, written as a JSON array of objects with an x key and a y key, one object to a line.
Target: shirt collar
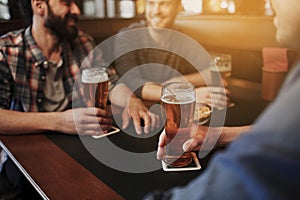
[{"x": 31, "y": 44}]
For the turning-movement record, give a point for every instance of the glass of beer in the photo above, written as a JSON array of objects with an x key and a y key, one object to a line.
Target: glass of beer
[
  {"x": 95, "y": 84},
  {"x": 178, "y": 102},
  {"x": 221, "y": 71}
]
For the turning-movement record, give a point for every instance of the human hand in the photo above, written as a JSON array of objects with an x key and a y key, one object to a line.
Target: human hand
[
  {"x": 162, "y": 142},
  {"x": 85, "y": 121},
  {"x": 190, "y": 145},
  {"x": 137, "y": 111},
  {"x": 214, "y": 136},
  {"x": 195, "y": 142},
  {"x": 216, "y": 97}
]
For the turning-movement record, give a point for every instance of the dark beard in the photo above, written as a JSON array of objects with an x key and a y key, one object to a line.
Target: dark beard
[{"x": 58, "y": 26}]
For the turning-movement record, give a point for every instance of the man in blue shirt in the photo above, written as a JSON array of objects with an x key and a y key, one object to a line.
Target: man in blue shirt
[{"x": 265, "y": 163}]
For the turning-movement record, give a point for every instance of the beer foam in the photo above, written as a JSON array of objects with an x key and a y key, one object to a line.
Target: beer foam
[
  {"x": 94, "y": 76},
  {"x": 220, "y": 69},
  {"x": 178, "y": 99}
]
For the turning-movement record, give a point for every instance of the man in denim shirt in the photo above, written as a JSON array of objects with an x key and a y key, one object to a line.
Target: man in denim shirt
[{"x": 263, "y": 164}]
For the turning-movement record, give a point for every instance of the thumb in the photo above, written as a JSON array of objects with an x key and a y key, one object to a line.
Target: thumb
[{"x": 187, "y": 146}]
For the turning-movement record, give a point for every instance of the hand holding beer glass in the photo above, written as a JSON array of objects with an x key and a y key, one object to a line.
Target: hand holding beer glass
[
  {"x": 95, "y": 85},
  {"x": 221, "y": 71},
  {"x": 178, "y": 101}
]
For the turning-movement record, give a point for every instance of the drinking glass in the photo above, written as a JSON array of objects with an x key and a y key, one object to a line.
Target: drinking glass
[
  {"x": 221, "y": 71},
  {"x": 95, "y": 84},
  {"x": 178, "y": 102}
]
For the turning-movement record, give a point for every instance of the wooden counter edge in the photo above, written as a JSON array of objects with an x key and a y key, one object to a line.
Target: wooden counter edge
[{"x": 52, "y": 172}]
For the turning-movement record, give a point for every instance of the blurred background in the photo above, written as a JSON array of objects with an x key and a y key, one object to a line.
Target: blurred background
[
  {"x": 136, "y": 8},
  {"x": 241, "y": 28}
]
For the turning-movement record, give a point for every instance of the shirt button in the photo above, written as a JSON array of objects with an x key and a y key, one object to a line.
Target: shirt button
[
  {"x": 43, "y": 77},
  {"x": 45, "y": 64},
  {"x": 39, "y": 100}
]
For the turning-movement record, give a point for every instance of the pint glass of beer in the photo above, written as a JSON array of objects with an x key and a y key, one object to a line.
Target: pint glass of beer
[
  {"x": 221, "y": 71},
  {"x": 95, "y": 84},
  {"x": 178, "y": 102}
]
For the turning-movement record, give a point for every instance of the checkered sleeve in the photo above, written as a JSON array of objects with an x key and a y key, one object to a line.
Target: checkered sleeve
[
  {"x": 113, "y": 77},
  {"x": 5, "y": 83}
]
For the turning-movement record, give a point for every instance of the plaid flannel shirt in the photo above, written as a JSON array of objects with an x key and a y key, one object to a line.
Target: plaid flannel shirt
[{"x": 23, "y": 70}]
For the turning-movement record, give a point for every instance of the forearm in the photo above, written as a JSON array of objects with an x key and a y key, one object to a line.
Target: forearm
[
  {"x": 229, "y": 134},
  {"x": 151, "y": 92},
  {"x": 202, "y": 78},
  {"x": 122, "y": 97},
  {"x": 119, "y": 95},
  {"x": 198, "y": 79},
  {"x": 14, "y": 122}
]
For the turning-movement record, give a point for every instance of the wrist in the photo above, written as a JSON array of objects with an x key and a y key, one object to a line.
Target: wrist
[
  {"x": 54, "y": 121},
  {"x": 134, "y": 100},
  {"x": 229, "y": 134}
]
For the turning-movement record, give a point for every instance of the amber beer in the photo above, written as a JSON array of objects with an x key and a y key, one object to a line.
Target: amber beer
[
  {"x": 179, "y": 111},
  {"x": 96, "y": 83},
  {"x": 219, "y": 75}
]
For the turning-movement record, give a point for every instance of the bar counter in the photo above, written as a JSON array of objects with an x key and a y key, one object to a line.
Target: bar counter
[{"x": 60, "y": 167}]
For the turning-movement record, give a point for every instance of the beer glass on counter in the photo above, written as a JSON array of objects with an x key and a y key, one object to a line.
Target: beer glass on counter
[
  {"x": 221, "y": 71},
  {"x": 178, "y": 103},
  {"x": 95, "y": 85}
]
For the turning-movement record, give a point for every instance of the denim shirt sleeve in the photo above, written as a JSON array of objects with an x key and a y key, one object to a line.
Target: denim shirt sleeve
[{"x": 263, "y": 164}]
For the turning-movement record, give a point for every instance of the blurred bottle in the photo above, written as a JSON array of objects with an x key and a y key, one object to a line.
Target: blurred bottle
[
  {"x": 127, "y": 8},
  {"x": 89, "y": 8},
  {"x": 231, "y": 7},
  {"x": 219, "y": 7},
  {"x": 99, "y": 8},
  {"x": 268, "y": 8},
  {"x": 192, "y": 6},
  {"x": 111, "y": 8}
]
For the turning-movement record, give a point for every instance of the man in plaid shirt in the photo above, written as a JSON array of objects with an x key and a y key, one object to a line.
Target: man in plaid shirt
[{"x": 38, "y": 68}]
